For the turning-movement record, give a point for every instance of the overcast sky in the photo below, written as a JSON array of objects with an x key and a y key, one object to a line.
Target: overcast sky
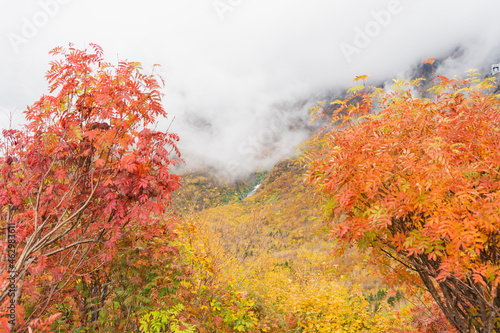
[{"x": 241, "y": 74}]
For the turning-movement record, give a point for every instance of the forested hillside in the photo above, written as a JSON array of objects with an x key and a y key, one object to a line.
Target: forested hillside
[{"x": 275, "y": 248}]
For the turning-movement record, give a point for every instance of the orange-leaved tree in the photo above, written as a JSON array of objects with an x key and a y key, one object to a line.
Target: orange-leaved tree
[
  {"x": 417, "y": 179},
  {"x": 86, "y": 168}
]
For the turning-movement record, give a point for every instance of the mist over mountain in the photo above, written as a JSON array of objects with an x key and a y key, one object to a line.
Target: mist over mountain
[{"x": 241, "y": 75}]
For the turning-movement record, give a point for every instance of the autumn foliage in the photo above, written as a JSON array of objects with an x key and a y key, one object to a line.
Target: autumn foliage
[
  {"x": 414, "y": 176},
  {"x": 92, "y": 240},
  {"x": 87, "y": 169},
  {"x": 264, "y": 263}
]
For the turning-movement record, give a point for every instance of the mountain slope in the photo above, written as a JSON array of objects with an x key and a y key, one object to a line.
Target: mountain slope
[{"x": 274, "y": 248}]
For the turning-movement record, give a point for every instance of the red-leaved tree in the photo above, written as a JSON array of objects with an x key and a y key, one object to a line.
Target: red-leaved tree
[
  {"x": 87, "y": 167},
  {"x": 418, "y": 180}
]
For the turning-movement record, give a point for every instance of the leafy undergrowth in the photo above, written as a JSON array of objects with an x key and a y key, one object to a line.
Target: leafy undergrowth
[{"x": 266, "y": 263}]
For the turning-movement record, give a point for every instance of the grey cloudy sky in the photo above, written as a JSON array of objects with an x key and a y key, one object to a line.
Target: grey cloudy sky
[{"x": 241, "y": 74}]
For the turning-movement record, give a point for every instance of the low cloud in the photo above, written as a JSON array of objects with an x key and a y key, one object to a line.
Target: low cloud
[{"x": 241, "y": 75}]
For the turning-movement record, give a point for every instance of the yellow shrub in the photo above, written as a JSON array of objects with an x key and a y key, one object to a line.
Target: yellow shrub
[{"x": 319, "y": 305}]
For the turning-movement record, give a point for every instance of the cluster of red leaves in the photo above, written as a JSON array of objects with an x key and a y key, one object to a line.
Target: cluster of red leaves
[{"x": 85, "y": 168}]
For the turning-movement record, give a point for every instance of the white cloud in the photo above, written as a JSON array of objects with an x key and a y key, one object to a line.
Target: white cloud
[{"x": 226, "y": 77}]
